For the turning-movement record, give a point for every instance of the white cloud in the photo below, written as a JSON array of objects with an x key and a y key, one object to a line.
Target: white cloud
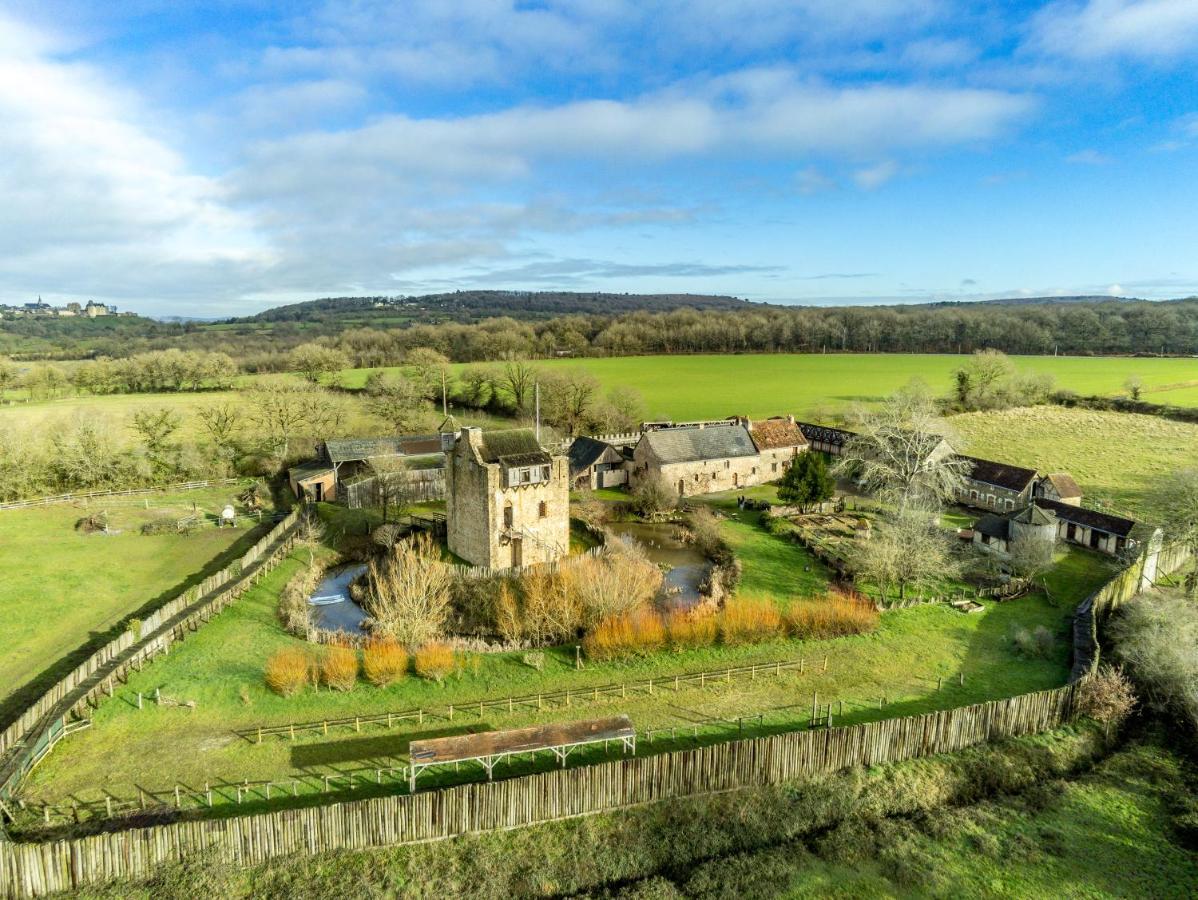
[
  {"x": 1094, "y": 29},
  {"x": 84, "y": 178},
  {"x": 873, "y": 177},
  {"x": 811, "y": 180}
]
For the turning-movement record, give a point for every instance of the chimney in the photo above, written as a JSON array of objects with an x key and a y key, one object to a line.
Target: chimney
[{"x": 790, "y": 419}]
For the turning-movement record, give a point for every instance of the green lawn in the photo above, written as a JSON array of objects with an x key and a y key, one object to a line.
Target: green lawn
[
  {"x": 1117, "y": 458},
  {"x": 62, "y": 588},
  {"x": 712, "y": 386},
  {"x": 220, "y": 668}
]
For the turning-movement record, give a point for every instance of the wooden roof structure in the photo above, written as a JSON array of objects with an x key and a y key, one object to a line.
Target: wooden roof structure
[{"x": 489, "y": 747}]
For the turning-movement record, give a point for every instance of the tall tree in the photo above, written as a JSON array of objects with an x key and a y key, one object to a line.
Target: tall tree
[
  {"x": 807, "y": 481},
  {"x": 906, "y": 552},
  {"x": 315, "y": 361},
  {"x": 901, "y": 452},
  {"x": 517, "y": 378},
  {"x": 282, "y": 412},
  {"x": 1176, "y": 498}
]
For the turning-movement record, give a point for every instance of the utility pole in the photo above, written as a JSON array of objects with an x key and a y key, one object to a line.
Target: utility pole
[
  {"x": 537, "y": 394},
  {"x": 444, "y": 403}
]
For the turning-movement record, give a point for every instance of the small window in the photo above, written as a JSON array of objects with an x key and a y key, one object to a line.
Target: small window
[
  {"x": 544, "y": 473},
  {"x": 696, "y": 477},
  {"x": 543, "y": 510},
  {"x": 774, "y": 467},
  {"x": 508, "y": 516},
  {"x": 973, "y": 495},
  {"x": 754, "y": 472},
  {"x": 727, "y": 464}
]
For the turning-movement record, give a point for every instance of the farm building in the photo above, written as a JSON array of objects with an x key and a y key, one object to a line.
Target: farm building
[
  {"x": 342, "y": 460},
  {"x": 699, "y": 459},
  {"x": 595, "y": 463},
  {"x": 996, "y": 486},
  {"x": 825, "y": 438},
  {"x": 1090, "y": 528},
  {"x": 997, "y": 533},
  {"x": 1059, "y": 486},
  {"x": 779, "y": 440},
  {"x": 507, "y": 499}
]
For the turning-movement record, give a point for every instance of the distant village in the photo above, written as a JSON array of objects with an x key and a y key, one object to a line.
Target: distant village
[{"x": 40, "y": 309}]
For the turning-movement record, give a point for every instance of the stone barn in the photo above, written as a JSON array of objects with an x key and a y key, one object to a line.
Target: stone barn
[
  {"x": 995, "y": 486},
  {"x": 698, "y": 459},
  {"x": 1059, "y": 486},
  {"x": 779, "y": 440},
  {"x": 998, "y": 533},
  {"x": 1090, "y": 528},
  {"x": 596, "y": 464},
  {"x": 507, "y": 500}
]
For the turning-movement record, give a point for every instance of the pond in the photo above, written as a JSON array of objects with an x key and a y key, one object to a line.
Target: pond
[
  {"x": 686, "y": 567},
  {"x": 333, "y": 609}
]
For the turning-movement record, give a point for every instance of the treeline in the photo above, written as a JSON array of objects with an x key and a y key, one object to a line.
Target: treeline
[
  {"x": 159, "y": 371},
  {"x": 460, "y": 331}
]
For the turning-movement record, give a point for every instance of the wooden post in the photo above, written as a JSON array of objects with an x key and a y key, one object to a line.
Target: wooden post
[
  {"x": 939, "y": 680},
  {"x": 158, "y": 696},
  {"x": 108, "y": 805},
  {"x": 451, "y": 712},
  {"x": 208, "y": 793},
  {"x": 800, "y": 665},
  {"x": 178, "y": 802},
  {"x": 139, "y": 699},
  {"x": 293, "y": 731},
  {"x": 814, "y": 705},
  {"x": 326, "y": 726},
  {"x": 962, "y": 678},
  {"x": 357, "y": 723},
  {"x": 259, "y": 734},
  {"x": 825, "y": 662}
]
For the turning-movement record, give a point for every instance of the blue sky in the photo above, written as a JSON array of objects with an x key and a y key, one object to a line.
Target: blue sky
[{"x": 220, "y": 158}]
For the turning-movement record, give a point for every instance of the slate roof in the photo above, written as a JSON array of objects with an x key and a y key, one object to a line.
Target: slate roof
[
  {"x": 1013, "y": 478},
  {"x": 776, "y": 433},
  {"x": 1090, "y": 518},
  {"x": 514, "y": 447},
  {"x": 354, "y": 449},
  {"x": 1064, "y": 485},
  {"x": 826, "y": 434},
  {"x": 304, "y": 471},
  {"x": 1034, "y": 515},
  {"x": 995, "y": 526},
  {"x": 690, "y": 444},
  {"x": 349, "y": 449},
  {"x": 585, "y": 452}
]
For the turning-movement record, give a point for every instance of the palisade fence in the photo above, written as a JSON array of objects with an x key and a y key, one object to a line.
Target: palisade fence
[
  {"x": 30, "y": 870},
  {"x": 28, "y": 738},
  {"x": 1155, "y": 561}
]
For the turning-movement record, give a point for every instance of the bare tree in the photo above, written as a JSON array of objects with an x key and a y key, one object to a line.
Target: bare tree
[
  {"x": 409, "y": 592},
  {"x": 391, "y": 485},
  {"x": 568, "y": 399},
  {"x": 619, "y": 580},
  {"x": 8, "y": 375},
  {"x": 397, "y": 400},
  {"x": 1176, "y": 497},
  {"x": 1134, "y": 385},
  {"x": 907, "y": 552},
  {"x": 1030, "y": 557},
  {"x": 652, "y": 497},
  {"x": 156, "y": 426},
  {"x": 431, "y": 371},
  {"x": 283, "y": 412},
  {"x": 518, "y": 377},
  {"x": 315, "y": 361},
  {"x": 221, "y": 422},
  {"x": 902, "y": 452}
]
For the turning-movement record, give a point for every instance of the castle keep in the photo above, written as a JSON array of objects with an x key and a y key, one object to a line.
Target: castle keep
[{"x": 507, "y": 500}]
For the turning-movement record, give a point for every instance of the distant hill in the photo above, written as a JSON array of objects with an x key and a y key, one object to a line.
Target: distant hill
[{"x": 467, "y": 306}]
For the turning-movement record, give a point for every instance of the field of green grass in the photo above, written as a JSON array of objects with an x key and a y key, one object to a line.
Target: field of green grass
[
  {"x": 1119, "y": 459},
  {"x": 702, "y": 387},
  {"x": 62, "y": 588},
  {"x": 220, "y": 668}
]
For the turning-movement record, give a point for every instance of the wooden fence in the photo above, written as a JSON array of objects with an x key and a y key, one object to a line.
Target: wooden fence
[
  {"x": 1154, "y": 561},
  {"x": 30, "y": 870},
  {"x": 22, "y": 742},
  {"x": 86, "y": 495},
  {"x": 417, "y": 486}
]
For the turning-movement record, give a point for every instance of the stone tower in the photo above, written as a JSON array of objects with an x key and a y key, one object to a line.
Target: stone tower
[{"x": 507, "y": 500}]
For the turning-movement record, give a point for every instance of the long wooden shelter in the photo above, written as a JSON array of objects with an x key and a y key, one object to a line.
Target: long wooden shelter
[{"x": 489, "y": 747}]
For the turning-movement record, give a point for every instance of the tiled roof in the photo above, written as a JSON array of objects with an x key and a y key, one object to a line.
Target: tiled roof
[
  {"x": 995, "y": 526},
  {"x": 1064, "y": 485},
  {"x": 690, "y": 444},
  {"x": 1013, "y": 478},
  {"x": 825, "y": 434},
  {"x": 1090, "y": 518},
  {"x": 1034, "y": 515},
  {"x": 772, "y": 434}
]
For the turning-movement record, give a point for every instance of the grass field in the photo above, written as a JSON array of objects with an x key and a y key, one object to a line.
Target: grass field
[
  {"x": 62, "y": 588},
  {"x": 1117, "y": 458},
  {"x": 220, "y": 668},
  {"x": 703, "y": 387}
]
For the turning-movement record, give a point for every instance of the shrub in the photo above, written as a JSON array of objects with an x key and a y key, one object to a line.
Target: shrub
[
  {"x": 749, "y": 620},
  {"x": 1157, "y": 639},
  {"x": 1107, "y": 696},
  {"x": 1036, "y": 644},
  {"x": 339, "y": 666},
  {"x": 618, "y": 581},
  {"x": 688, "y": 629},
  {"x": 626, "y": 634},
  {"x": 832, "y": 616},
  {"x": 705, "y": 530},
  {"x": 288, "y": 671},
  {"x": 384, "y": 661},
  {"x": 410, "y": 590},
  {"x": 534, "y": 659},
  {"x": 435, "y": 661}
]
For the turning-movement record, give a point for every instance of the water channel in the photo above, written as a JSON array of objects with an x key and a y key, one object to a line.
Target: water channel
[
  {"x": 686, "y": 567},
  {"x": 333, "y": 609}
]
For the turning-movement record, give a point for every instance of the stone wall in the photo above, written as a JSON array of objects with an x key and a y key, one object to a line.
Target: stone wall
[
  {"x": 475, "y": 501},
  {"x": 707, "y": 476}
]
